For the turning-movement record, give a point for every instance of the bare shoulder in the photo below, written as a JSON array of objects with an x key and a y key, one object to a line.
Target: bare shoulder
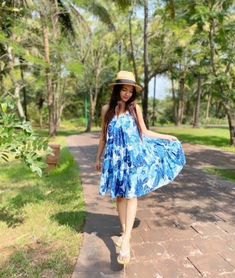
[
  {"x": 138, "y": 108},
  {"x": 140, "y": 118}
]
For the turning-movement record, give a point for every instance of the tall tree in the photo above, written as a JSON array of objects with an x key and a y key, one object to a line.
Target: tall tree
[
  {"x": 146, "y": 62},
  {"x": 196, "y": 122}
]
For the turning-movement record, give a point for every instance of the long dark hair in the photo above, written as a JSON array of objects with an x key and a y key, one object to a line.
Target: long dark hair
[{"x": 114, "y": 103}]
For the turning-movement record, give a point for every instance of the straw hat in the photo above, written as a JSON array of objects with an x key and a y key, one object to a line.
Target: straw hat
[{"x": 127, "y": 78}]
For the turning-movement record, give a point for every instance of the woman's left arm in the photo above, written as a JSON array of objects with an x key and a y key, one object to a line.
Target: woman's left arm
[{"x": 150, "y": 133}]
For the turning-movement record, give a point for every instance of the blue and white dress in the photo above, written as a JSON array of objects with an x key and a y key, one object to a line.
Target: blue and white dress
[{"x": 133, "y": 167}]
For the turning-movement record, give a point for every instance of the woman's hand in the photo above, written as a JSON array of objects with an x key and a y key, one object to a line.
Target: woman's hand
[
  {"x": 170, "y": 138},
  {"x": 98, "y": 164}
]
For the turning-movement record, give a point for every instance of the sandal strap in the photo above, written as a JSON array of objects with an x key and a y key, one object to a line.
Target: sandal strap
[{"x": 124, "y": 253}]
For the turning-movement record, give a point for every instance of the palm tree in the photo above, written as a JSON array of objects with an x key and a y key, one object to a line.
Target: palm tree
[{"x": 58, "y": 19}]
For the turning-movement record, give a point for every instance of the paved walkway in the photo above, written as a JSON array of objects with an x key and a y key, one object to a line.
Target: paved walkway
[{"x": 184, "y": 229}]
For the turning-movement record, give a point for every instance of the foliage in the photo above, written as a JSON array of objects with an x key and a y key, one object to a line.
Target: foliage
[
  {"x": 88, "y": 42},
  {"x": 18, "y": 140}
]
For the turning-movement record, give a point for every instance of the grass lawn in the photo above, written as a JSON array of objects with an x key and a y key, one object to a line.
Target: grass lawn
[
  {"x": 41, "y": 219},
  {"x": 228, "y": 174},
  {"x": 215, "y": 137}
]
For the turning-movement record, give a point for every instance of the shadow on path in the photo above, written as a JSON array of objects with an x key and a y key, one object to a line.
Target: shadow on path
[
  {"x": 176, "y": 223},
  {"x": 103, "y": 226}
]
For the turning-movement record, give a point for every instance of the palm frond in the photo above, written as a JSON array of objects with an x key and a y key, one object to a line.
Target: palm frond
[
  {"x": 96, "y": 9},
  {"x": 65, "y": 19},
  {"x": 79, "y": 17},
  {"x": 102, "y": 13},
  {"x": 123, "y": 3}
]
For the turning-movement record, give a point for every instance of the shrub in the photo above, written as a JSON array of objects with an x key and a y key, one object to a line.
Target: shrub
[{"x": 18, "y": 140}]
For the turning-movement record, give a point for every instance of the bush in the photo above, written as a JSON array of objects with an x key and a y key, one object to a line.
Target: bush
[{"x": 18, "y": 140}]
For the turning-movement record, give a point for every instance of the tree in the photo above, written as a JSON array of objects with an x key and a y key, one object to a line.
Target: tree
[
  {"x": 219, "y": 26},
  {"x": 146, "y": 62}
]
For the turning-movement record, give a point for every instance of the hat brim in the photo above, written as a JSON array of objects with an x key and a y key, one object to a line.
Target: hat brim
[{"x": 138, "y": 88}]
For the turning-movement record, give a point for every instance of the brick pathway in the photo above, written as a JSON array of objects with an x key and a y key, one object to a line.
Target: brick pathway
[{"x": 184, "y": 229}]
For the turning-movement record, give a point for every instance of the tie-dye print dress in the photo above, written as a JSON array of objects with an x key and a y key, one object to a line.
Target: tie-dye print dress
[{"x": 133, "y": 167}]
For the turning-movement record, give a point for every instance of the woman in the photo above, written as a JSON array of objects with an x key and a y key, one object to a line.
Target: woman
[{"x": 136, "y": 160}]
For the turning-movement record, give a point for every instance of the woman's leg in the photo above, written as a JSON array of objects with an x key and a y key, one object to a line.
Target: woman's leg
[
  {"x": 121, "y": 209},
  {"x": 131, "y": 207}
]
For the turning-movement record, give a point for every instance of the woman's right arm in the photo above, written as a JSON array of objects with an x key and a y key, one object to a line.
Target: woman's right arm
[{"x": 102, "y": 141}]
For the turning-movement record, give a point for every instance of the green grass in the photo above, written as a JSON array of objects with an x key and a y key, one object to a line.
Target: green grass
[
  {"x": 66, "y": 129},
  {"x": 41, "y": 219},
  {"x": 214, "y": 137},
  {"x": 228, "y": 174}
]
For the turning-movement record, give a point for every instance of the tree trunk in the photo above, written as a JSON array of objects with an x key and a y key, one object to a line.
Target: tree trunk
[
  {"x": 24, "y": 89},
  {"x": 18, "y": 101},
  {"x": 154, "y": 102},
  {"x": 208, "y": 107},
  {"x": 60, "y": 112},
  {"x": 230, "y": 112},
  {"x": 17, "y": 86},
  {"x": 53, "y": 19},
  {"x": 93, "y": 101},
  {"x": 93, "y": 98},
  {"x": 119, "y": 55},
  {"x": 231, "y": 121},
  {"x": 91, "y": 114},
  {"x": 132, "y": 49},
  {"x": 212, "y": 46},
  {"x": 229, "y": 107},
  {"x": 219, "y": 107},
  {"x": 56, "y": 104},
  {"x": 196, "y": 122},
  {"x": 174, "y": 98},
  {"x": 146, "y": 71},
  {"x": 60, "y": 101},
  {"x": 188, "y": 109},
  {"x": 50, "y": 93},
  {"x": 180, "y": 112},
  {"x": 2, "y": 88}
]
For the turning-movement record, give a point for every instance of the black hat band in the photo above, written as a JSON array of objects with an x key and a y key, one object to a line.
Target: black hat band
[{"x": 121, "y": 81}]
